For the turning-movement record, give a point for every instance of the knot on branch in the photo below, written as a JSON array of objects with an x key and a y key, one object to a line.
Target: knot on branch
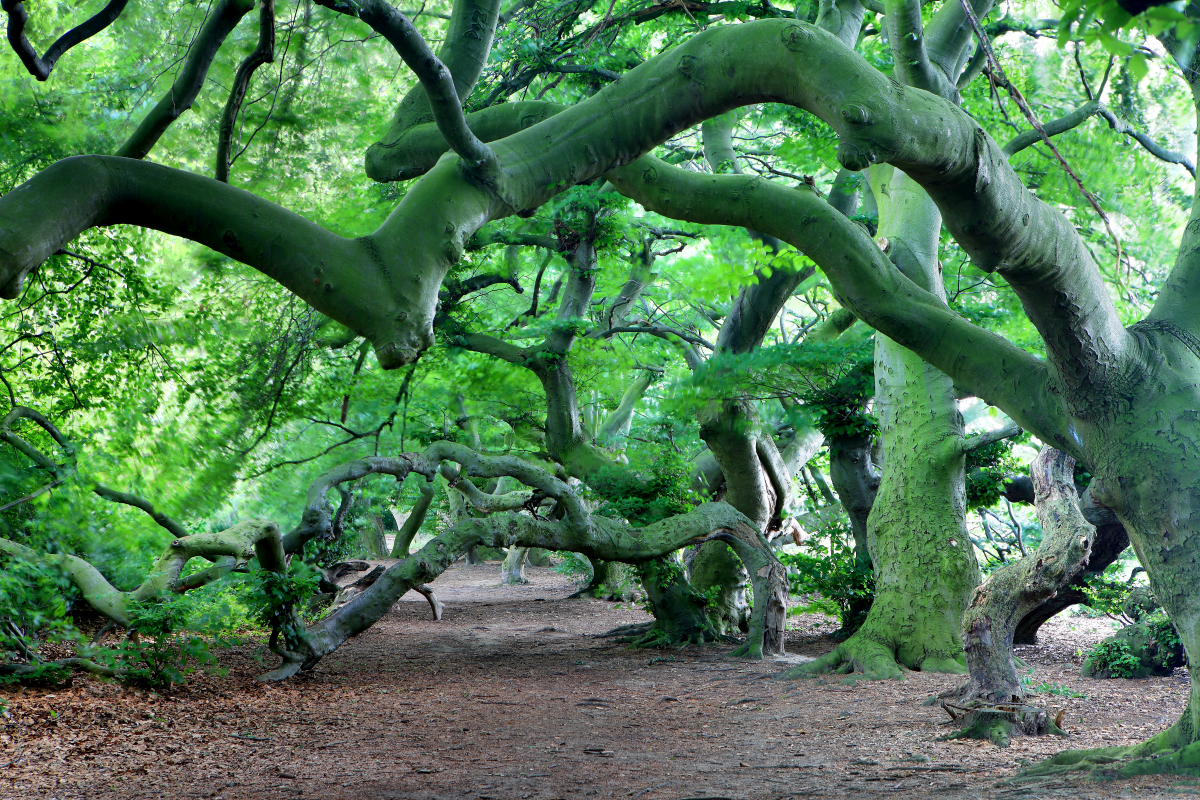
[{"x": 796, "y": 37}]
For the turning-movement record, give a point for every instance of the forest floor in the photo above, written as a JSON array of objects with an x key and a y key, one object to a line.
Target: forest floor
[{"x": 513, "y": 695}]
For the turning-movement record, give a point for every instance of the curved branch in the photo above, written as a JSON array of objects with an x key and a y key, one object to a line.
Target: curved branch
[
  {"x": 464, "y": 53},
  {"x": 41, "y": 67},
  {"x": 990, "y": 437},
  {"x": 140, "y": 503},
  {"x": 435, "y": 77},
  {"x": 596, "y": 537},
  {"x": 1093, "y": 108},
  {"x": 229, "y": 547},
  {"x": 864, "y": 279},
  {"x": 998, "y": 221},
  {"x": 179, "y": 98},
  {"x": 906, "y": 36},
  {"x": 343, "y": 278},
  {"x": 486, "y": 503}
]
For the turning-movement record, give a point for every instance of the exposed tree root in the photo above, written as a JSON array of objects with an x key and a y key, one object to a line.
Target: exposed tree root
[
  {"x": 999, "y": 723},
  {"x": 653, "y": 635},
  {"x": 1166, "y": 754},
  {"x": 875, "y": 660}
]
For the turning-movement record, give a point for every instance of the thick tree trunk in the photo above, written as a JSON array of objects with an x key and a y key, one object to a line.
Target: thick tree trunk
[
  {"x": 680, "y": 612},
  {"x": 924, "y": 566},
  {"x": 1145, "y": 458},
  {"x": 718, "y": 575},
  {"x": 993, "y": 704}
]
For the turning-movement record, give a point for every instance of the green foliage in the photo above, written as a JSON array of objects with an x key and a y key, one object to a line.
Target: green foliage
[
  {"x": 661, "y": 491},
  {"x": 827, "y": 574},
  {"x": 574, "y": 565},
  {"x": 275, "y": 594},
  {"x": 34, "y": 603},
  {"x": 585, "y": 211},
  {"x": 1148, "y": 647},
  {"x": 1046, "y": 687},
  {"x": 166, "y": 648},
  {"x": 987, "y": 468},
  {"x": 1115, "y": 658},
  {"x": 1122, "y": 599}
]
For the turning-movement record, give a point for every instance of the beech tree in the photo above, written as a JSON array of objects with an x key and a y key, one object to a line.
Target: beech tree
[{"x": 1120, "y": 399}]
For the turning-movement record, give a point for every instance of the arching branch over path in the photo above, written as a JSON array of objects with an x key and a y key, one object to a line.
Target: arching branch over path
[{"x": 1000, "y": 223}]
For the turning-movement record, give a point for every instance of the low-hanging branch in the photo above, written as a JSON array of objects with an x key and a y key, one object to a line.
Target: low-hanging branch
[
  {"x": 229, "y": 549},
  {"x": 576, "y": 529}
]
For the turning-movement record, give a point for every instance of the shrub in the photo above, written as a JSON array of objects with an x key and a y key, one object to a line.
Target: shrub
[
  {"x": 1144, "y": 648},
  {"x": 828, "y": 574}
]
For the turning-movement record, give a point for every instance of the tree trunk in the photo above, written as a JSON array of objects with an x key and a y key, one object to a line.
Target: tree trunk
[
  {"x": 1146, "y": 457},
  {"x": 512, "y": 572},
  {"x": 993, "y": 704},
  {"x": 1110, "y": 542},
  {"x": 855, "y": 478},
  {"x": 680, "y": 613},
  {"x": 416, "y": 518},
  {"x": 718, "y": 575},
  {"x": 925, "y": 568},
  {"x": 373, "y": 539},
  {"x": 611, "y": 580}
]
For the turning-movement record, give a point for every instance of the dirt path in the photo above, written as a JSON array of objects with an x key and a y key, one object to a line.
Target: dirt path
[{"x": 513, "y": 696}]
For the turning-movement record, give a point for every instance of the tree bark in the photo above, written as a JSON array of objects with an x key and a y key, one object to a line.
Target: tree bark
[
  {"x": 924, "y": 565},
  {"x": 993, "y": 704}
]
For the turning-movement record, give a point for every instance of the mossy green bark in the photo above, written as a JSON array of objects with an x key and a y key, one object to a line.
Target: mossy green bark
[{"x": 925, "y": 569}]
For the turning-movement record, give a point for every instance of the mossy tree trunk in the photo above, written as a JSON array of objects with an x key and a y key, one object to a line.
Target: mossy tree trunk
[
  {"x": 1110, "y": 541},
  {"x": 924, "y": 566}
]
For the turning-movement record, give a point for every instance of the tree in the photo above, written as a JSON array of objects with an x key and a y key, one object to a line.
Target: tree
[{"x": 1118, "y": 399}]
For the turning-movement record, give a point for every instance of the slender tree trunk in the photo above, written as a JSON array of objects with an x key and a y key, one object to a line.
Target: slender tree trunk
[
  {"x": 416, "y": 518},
  {"x": 855, "y": 478},
  {"x": 373, "y": 538},
  {"x": 512, "y": 572}
]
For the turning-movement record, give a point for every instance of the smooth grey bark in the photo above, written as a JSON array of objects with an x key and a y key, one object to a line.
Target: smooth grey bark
[
  {"x": 513, "y": 569},
  {"x": 416, "y": 519}
]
